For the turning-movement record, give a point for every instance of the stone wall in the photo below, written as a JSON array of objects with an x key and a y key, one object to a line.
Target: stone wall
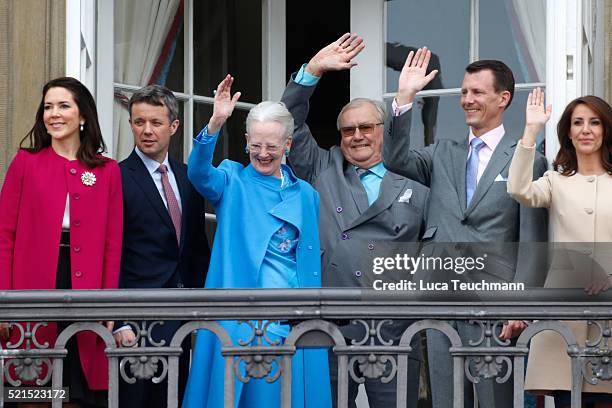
[{"x": 32, "y": 51}]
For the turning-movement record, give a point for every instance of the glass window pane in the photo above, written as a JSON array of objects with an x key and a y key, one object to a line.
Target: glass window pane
[
  {"x": 231, "y": 142},
  {"x": 227, "y": 39},
  {"x": 514, "y": 31},
  {"x": 176, "y": 150},
  {"x": 148, "y": 42},
  {"x": 416, "y": 23}
]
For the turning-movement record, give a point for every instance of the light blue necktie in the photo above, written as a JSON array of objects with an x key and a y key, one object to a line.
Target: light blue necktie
[{"x": 471, "y": 170}]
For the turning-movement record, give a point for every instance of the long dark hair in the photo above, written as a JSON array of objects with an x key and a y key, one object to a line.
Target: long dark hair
[
  {"x": 566, "y": 161},
  {"x": 92, "y": 144}
]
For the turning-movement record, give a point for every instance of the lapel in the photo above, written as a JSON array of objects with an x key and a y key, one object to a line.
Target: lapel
[
  {"x": 500, "y": 158},
  {"x": 143, "y": 179},
  {"x": 459, "y": 159},
  {"x": 357, "y": 191},
  {"x": 183, "y": 186},
  {"x": 392, "y": 185}
]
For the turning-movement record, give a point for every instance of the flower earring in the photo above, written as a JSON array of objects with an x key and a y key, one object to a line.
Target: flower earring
[
  {"x": 82, "y": 123},
  {"x": 287, "y": 152},
  {"x": 246, "y": 149}
]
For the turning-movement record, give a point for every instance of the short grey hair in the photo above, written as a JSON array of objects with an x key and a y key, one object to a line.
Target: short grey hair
[
  {"x": 156, "y": 95},
  {"x": 379, "y": 106},
  {"x": 270, "y": 111}
]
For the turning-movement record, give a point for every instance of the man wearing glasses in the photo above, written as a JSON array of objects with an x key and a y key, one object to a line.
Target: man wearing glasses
[{"x": 364, "y": 208}]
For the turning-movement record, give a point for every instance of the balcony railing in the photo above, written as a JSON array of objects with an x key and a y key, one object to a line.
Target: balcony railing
[{"x": 315, "y": 316}]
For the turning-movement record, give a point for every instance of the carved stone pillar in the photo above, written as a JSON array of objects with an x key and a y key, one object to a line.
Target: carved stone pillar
[{"x": 32, "y": 51}]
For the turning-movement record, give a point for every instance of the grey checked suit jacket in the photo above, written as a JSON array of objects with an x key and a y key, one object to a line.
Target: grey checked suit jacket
[
  {"x": 492, "y": 216},
  {"x": 351, "y": 231}
]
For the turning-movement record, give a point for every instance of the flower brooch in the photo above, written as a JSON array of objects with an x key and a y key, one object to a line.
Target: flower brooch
[{"x": 88, "y": 178}]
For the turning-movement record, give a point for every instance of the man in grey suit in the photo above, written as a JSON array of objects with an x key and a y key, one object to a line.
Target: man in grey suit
[
  {"x": 468, "y": 201},
  {"x": 364, "y": 207}
]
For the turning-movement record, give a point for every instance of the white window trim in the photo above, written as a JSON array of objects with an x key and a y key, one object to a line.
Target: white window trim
[
  {"x": 274, "y": 40},
  {"x": 367, "y": 78}
]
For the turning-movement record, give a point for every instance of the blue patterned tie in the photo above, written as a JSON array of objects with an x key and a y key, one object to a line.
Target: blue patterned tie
[{"x": 471, "y": 170}]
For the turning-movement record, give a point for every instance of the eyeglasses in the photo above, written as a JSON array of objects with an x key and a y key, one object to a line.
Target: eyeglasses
[
  {"x": 364, "y": 129},
  {"x": 257, "y": 148}
]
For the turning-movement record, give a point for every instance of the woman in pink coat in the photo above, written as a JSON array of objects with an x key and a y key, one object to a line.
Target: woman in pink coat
[{"x": 61, "y": 220}]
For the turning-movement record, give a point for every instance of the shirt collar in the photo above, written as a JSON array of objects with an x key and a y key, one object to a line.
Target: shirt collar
[
  {"x": 150, "y": 164},
  {"x": 378, "y": 169},
  {"x": 491, "y": 138}
]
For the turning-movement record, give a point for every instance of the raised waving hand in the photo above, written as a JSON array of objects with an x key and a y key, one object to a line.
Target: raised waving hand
[
  {"x": 224, "y": 104},
  {"x": 336, "y": 56},
  {"x": 536, "y": 116},
  {"x": 413, "y": 77}
]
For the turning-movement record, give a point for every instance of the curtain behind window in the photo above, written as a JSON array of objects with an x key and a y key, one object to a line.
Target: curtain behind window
[{"x": 141, "y": 30}]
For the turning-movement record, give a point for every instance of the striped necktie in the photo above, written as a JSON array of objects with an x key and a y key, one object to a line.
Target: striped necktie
[{"x": 173, "y": 206}]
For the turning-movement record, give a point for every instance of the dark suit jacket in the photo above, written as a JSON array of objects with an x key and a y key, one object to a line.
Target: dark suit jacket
[{"x": 151, "y": 257}]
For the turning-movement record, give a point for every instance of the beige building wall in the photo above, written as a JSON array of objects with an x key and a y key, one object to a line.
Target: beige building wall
[{"x": 32, "y": 51}]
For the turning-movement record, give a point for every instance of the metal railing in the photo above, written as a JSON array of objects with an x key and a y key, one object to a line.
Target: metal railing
[{"x": 315, "y": 316}]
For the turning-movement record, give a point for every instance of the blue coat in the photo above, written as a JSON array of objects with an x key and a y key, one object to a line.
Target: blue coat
[{"x": 249, "y": 211}]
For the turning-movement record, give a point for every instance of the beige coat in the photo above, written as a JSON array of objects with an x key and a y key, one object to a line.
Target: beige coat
[{"x": 580, "y": 214}]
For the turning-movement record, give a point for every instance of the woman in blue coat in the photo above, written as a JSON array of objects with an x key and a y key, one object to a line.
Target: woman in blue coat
[{"x": 267, "y": 237}]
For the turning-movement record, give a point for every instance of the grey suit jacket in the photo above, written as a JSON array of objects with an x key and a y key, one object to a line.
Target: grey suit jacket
[
  {"x": 492, "y": 218},
  {"x": 352, "y": 233}
]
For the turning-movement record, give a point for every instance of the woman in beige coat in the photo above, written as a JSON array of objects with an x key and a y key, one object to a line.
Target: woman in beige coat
[{"x": 578, "y": 194}]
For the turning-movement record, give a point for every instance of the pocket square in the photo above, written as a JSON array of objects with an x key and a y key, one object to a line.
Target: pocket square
[
  {"x": 405, "y": 198},
  {"x": 501, "y": 178}
]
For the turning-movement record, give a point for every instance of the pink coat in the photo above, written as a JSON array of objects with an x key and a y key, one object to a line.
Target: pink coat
[{"x": 32, "y": 206}]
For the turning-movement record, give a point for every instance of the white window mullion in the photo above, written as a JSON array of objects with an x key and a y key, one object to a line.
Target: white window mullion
[
  {"x": 73, "y": 38},
  {"x": 367, "y": 77},
  {"x": 188, "y": 75},
  {"x": 474, "y": 30},
  {"x": 105, "y": 70},
  {"x": 273, "y": 42}
]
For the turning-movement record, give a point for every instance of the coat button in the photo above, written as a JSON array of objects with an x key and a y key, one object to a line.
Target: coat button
[
  {"x": 315, "y": 273},
  {"x": 78, "y": 274},
  {"x": 76, "y": 223},
  {"x": 344, "y": 236},
  {"x": 180, "y": 285},
  {"x": 310, "y": 247},
  {"x": 77, "y": 249},
  {"x": 370, "y": 246},
  {"x": 358, "y": 274},
  {"x": 76, "y": 196},
  {"x": 589, "y": 210},
  {"x": 338, "y": 210},
  {"x": 591, "y": 179},
  {"x": 73, "y": 171}
]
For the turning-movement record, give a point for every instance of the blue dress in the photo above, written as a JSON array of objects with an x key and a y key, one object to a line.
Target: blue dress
[{"x": 267, "y": 236}]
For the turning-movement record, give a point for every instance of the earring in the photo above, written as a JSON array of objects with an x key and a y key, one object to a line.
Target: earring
[
  {"x": 287, "y": 152},
  {"x": 82, "y": 123},
  {"x": 246, "y": 149}
]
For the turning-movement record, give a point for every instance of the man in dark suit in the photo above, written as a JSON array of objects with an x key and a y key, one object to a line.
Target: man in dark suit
[
  {"x": 469, "y": 204},
  {"x": 164, "y": 244},
  {"x": 365, "y": 209}
]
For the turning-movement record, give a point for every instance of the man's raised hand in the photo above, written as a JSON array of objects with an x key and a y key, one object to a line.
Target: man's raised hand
[
  {"x": 412, "y": 79},
  {"x": 224, "y": 104},
  {"x": 336, "y": 56}
]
